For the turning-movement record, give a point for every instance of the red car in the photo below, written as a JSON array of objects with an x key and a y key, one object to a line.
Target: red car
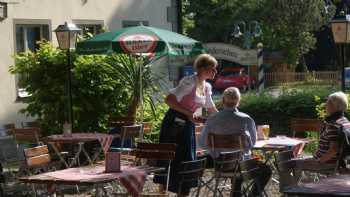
[{"x": 235, "y": 77}]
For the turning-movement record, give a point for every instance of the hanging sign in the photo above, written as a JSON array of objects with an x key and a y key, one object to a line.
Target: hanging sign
[{"x": 232, "y": 53}]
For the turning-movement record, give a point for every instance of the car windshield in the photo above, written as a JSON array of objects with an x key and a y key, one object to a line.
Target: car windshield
[{"x": 230, "y": 74}]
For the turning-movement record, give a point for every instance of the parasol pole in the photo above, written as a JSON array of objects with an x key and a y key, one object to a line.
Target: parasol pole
[{"x": 141, "y": 101}]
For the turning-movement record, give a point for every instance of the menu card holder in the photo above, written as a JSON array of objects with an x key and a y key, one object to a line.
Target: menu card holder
[{"x": 112, "y": 162}]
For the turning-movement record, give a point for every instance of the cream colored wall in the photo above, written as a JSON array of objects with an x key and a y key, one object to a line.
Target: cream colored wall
[{"x": 111, "y": 12}]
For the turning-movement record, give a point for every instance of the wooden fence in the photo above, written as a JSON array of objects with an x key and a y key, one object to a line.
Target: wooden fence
[{"x": 327, "y": 77}]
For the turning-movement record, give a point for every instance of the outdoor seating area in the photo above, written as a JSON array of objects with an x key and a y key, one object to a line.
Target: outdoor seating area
[{"x": 84, "y": 171}]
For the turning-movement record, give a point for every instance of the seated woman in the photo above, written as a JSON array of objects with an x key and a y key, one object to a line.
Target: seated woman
[{"x": 327, "y": 153}]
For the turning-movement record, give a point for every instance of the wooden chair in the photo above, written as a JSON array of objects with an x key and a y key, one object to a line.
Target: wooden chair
[
  {"x": 228, "y": 151},
  {"x": 30, "y": 124},
  {"x": 192, "y": 171},
  {"x": 116, "y": 124},
  {"x": 301, "y": 125},
  {"x": 156, "y": 152},
  {"x": 27, "y": 135},
  {"x": 119, "y": 121},
  {"x": 250, "y": 173},
  {"x": 226, "y": 141},
  {"x": 38, "y": 160},
  {"x": 226, "y": 167},
  {"x": 130, "y": 132},
  {"x": 339, "y": 167}
]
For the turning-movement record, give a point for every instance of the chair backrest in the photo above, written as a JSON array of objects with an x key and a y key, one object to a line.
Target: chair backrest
[
  {"x": 147, "y": 127},
  {"x": 305, "y": 124},
  {"x": 119, "y": 121},
  {"x": 162, "y": 151},
  {"x": 191, "y": 171},
  {"x": 129, "y": 132},
  {"x": 228, "y": 161},
  {"x": 27, "y": 135},
  {"x": 37, "y": 156},
  {"x": 227, "y": 141},
  {"x": 30, "y": 124}
]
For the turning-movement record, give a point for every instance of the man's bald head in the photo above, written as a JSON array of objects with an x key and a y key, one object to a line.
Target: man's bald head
[{"x": 231, "y": 97}]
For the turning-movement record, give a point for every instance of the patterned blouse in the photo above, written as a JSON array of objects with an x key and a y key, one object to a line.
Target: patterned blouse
[
  {"x": 330, "y": 132},
  {"x": 187, "y": 96}
]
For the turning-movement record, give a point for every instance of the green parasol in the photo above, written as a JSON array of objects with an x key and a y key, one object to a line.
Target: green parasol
[{"x": 141, "y": 39}]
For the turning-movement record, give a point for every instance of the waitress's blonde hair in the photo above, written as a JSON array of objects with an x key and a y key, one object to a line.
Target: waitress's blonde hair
[{"x": 205, "y": 61}]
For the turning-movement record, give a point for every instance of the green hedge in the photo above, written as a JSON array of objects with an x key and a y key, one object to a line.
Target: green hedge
[{"x": 278, "y": 110}]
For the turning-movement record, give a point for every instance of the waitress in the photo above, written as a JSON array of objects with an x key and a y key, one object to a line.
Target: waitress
[{"x": 178, "y": 125}]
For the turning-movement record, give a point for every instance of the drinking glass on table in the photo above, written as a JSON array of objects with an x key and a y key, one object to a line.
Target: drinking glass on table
[
  {"x": 266, "y": 131},
  {"x": 263, "y": 132}
]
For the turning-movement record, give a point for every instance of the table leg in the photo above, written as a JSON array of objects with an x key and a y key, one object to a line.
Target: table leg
[
  {"x": 269, "y": 156},
  {"x": 97, "y": 153},
  {"x": 76, "y": 156},
  {"x": 86, "y": 154},
  {"x": 59, "y": 154}
]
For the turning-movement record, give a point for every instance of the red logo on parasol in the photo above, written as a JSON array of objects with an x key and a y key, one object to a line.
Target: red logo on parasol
[{"x": 138, "y": 43}]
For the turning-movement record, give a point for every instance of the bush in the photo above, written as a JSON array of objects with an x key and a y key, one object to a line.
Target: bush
[
  {"x": 156, "y": 120},
  {"x": 97, "y": 88},
  {"x": 277, "y": 111}
]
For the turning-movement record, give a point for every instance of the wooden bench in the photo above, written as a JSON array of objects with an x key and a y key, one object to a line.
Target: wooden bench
[
  {"x": 27, "y": 135},
  {"x": 301, "y": 125}
]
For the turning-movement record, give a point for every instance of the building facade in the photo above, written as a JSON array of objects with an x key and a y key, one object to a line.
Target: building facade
[{"x": 24, "y": 22}]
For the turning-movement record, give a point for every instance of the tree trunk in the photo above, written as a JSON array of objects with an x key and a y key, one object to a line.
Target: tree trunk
[{"x": 134, "y": 104}]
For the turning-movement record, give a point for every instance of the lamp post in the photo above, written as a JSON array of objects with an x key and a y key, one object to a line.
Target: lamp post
[
  {"x": 67, "y": 37},
  {"x": 250, "y": 30},
  {"x": 341, "y": 36}
]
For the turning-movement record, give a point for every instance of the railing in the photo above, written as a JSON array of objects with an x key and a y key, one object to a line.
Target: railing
[{"x": 327, "y": 77}]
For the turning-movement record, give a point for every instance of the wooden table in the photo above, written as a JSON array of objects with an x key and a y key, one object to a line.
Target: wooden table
[
  {"x": 330, "y": 187},
  {"x": 280, "y": 144},
  {"x": 276, "y": 144},
  {"x": 75, "y": 138},
  {"x": 132, "y": 178}
]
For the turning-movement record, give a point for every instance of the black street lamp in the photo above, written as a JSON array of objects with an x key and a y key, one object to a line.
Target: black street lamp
[
  {"x": 67, "y": 37},
  {"x": 341, "y": 36},
  {"x": 250, "y": 30}
]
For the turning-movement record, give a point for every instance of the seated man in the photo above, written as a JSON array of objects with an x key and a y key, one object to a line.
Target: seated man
[
  {"x": 231, "y": 121},
  {"x": 327, "y": 153}
]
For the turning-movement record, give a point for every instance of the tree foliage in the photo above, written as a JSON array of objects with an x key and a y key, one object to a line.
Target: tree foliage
[{"x": 288, "y": 25}]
